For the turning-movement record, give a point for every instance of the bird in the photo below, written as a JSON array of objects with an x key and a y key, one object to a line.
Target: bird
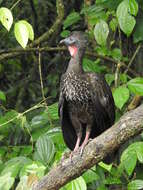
[{"x": 86, "y": 106}]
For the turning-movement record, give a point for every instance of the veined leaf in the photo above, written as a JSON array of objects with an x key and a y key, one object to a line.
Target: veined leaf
[
  {"x": 109, "y": 78},
  {"x": 6, "y": 17},
  {"x": 6, "y": 181},
  {"x": 71, "y": 19},
  {"x": 135, "y": 184},
  {"x": 121, "y": 96},
  {"x": 101, "y": 32},
  {"x": 136, "y": 85},
  {"x": 45, "y": 149},
  {"x": 126, "y": 20},
  {"x": 133, "y": 7}
]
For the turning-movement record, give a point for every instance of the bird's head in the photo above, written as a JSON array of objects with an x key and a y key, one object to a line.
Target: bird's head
[{"x": 75, "y": 42}]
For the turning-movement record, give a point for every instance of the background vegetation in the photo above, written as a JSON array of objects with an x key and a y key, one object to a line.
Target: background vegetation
[{"x": 30, "y": 136}]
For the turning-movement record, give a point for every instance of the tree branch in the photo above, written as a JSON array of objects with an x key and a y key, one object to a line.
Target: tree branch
[
  {"x": 18, "y": 51},
  {"x": 129, "y": 125}
]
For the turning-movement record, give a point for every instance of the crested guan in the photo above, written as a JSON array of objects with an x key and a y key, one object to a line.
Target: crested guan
[{"x": 86, "y": 105}]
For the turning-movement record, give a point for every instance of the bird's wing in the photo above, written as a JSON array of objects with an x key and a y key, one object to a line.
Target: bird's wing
[
  {"x": 68, "y": 131},
  {"x": 102, "y": 100}
]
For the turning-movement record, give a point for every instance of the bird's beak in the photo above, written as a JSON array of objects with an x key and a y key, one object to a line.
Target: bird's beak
[{"x": 66, "y": 41}]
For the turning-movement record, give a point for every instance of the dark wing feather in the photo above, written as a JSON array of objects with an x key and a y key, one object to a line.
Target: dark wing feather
[
  {"x": 103, "y": 102},
  {"x": 68, "y": 131}
]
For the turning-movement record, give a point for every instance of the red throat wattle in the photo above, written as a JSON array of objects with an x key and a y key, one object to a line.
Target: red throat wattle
[{"x": 72, "y": 50}]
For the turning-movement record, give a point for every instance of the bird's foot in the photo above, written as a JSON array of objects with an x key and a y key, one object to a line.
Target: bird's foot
[
  {"x": 82, "y": 149},
  {"x": 72, "y": 152},
  {"x": 83, "y": 146}
]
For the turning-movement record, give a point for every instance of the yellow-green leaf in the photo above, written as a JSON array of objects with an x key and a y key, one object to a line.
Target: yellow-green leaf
[
  {"x": 6, "y": 18},
  {"x": 29, "y": 28},
  {"x": 21, "y": 33}
]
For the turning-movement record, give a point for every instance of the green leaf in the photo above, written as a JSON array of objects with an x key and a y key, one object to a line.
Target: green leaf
[
  {"x": 29, "y": 29},
  {"x": 112, "y": 180},
  {"x": 6, "y": 18},
  {"x": 53, "y": 111},
  {"x": 21, "y": 33},
  {"x": 130, "y": 155},
  {"x": 39, "y": 120},
  {"x": 135, "y": 184},
  {"x": 123, "y": 78},
  {"x": 113, "y": 24},
  {"x": 138, "y": 148},
  {"x": 126, "y": 20},
  {"x": 93, "y": 9},
  {"x": 45, "y": 149},
  {"x": 4, "y": 121},
  {"x": 129, "y": 158},
  {"x": 71, "y": 19},
  {"x": 35, "y": 167},
  {"x": 14, "y": 165},
  {"x": 2, "y": 96},
  {"x": 94, "y": 66},
  {"x": 90, "y": 176},
  {"x": 133, "y": 7},
  {"x": 65, "y": 33},
  {"x": 107, "y": 167},
  {"x": 137, "y": 35},
  {"x": 109, "y": 78},
  {"x": 77, "y": 184},
  {"x": 121, "y": 96},
  {"x": 6, "y": 181},
  {"x": 56, "y": 135},
  {"x": 136, "y": 86},
  {"x": 116, "y": 54},
  {"x": 140, "y": 154},
  {"x": 23, "y": 184},
  {"x": 26, "y": 150},
  {"x": 101, "y": 32}
]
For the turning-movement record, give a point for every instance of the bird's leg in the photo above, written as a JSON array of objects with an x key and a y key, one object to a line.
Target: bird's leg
[
  {"x": 79, "y": 135},
  {"x": 88, "y": 130}
]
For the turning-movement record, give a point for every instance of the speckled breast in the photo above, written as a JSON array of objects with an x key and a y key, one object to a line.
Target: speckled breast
[{"x": 75, "y": 88}]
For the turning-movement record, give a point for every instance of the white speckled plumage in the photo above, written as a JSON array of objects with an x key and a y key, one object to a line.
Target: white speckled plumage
[{"x": 75, "y": 88}]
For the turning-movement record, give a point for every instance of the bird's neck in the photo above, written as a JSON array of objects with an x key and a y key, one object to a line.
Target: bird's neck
[{"x": 75, "y": 63}]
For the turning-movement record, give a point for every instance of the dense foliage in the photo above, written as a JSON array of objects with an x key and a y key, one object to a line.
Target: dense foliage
[{"x": 30, "y": 136}]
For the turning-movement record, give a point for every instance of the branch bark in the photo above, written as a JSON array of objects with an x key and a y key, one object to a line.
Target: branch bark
[
  {"x": 4, "y": 54},
  {"x": 129, "y": 125}
]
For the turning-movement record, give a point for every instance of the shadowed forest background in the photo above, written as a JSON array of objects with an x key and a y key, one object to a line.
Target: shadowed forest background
[{"x": 31, "y": 64}]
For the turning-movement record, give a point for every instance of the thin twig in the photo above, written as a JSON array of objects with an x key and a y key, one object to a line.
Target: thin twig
[
  {"x": 14, "y": 5},
  {"x": 117, "y": 74},
  {"x": 39, "y": 105},
  {"x": 132, "y": 59},
  {"x": 120, "y": 39},
  {"x": 41, "y": 79}
]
